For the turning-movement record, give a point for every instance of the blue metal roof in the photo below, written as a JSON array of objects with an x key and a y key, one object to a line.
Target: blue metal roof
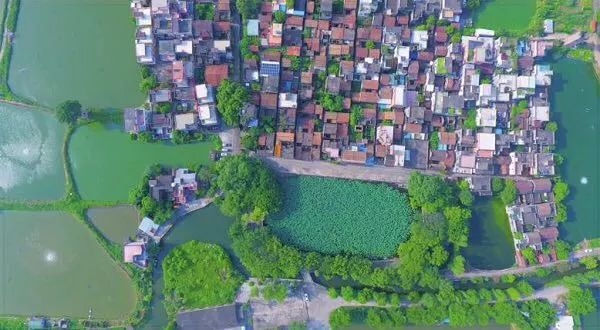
[{"x": 269, "y": 69}]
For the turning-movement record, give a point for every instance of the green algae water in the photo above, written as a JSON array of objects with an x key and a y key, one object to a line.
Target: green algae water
[
  {"x": 507, "y": 15},
  {"x": 30, "y": 154},
  {"x": 83, "y": 50},
  {"x": 205, "y": 225},
  {"x": 490, "y": 241},
  {"x": 117, "y": 223},
  {"x": 576, "y": 108},
  {"x": 107, "y": 163},
  {"x": 50, "y": 264}
]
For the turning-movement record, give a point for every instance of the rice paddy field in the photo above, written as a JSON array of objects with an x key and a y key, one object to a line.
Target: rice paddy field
[
  {"x": 504, "y": 15},
  {"x": 342, "y": 216}
]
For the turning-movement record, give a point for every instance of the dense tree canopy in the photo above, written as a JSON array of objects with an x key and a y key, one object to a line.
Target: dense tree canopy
[
  {"x": 198, "y": 275},
  {"x": 580, "y": 301},
  {"x": 231, "y": 97},
  {"x": 429, "y": 192},
  {"x": 249, "y": 189},
  {"x": 68, "y": 111}
]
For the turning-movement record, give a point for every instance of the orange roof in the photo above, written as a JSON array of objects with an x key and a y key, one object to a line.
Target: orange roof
[
  {"x": 284, "y": 137},
  {"x": 214, "y": 74}
]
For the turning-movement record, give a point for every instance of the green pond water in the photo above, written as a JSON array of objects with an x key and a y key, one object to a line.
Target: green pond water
[
  {"x": 83, "y": 50},
  {"x": 107, "y": 163},
  {"x": 508, "y": 15},
  {"x": 115, "y": 223},
  {"x": 576, "y": 107},
  {"x": 490, "y": 240},
  {"x": 52, "y": 265},
  {"x": 205, "y": 225},
  {"x": 30, "y": 148}
]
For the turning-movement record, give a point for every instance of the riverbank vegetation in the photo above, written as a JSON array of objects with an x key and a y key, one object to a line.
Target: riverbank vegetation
[
  {"x": 198, "y": 275},
  {"x": 9, "y": 22},
  {"x": 534, "y": 314},
  {"x": 335, "y": 216}
]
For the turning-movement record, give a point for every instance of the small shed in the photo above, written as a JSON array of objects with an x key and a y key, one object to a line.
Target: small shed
[{"x": 252, "y": 27}]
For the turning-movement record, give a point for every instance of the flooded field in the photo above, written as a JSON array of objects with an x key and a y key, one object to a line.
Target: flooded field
[{"x": 117, "y": 223}]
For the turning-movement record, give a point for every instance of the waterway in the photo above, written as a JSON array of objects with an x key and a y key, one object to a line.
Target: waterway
[
  {"x": 205, "y": 225},
  {"x": 83, "y": 50},
  {"x": 576, "y": 107},
  {"x": 490, "y": 239},
  {"x": 117, "y": 223},
  {"x": 51, "y": 264},
  {"x": 107, "y": 163},
  {"x": 30, "y": 145}
]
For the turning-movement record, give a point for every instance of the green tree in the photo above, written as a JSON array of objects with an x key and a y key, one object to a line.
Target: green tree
[
  {"x": 198, "y": 275},
  {"x": 541, "y": 313},
  {"x": 181, "y": 137},
  {"x": 434, "y": 140},
  {"x": 279, "y": 17},
  {"x": 231, "y": 97},
  {"x": 457, "y": 266},
  {"x": 497, "y": 184},
  {"x": 248, "y": 187},
  {"x": 529, "y": 255},
  {"x": 590, "y": 262},
  {"x": 470, "y": 122},
  {"x": 580, "y": 301},
  {"x": 339, "y": 319},
  {"x": 473, "y": 4},
  {"x": 275, "y": 291},
  {"x": 68, "y": 112},
  {"x": 525, "y": 288},
  {"x": 458, "y": 230},
  {"x": 332, "y": 292},
  {"x": 369, "y": 44},
  {"x": 347, "y": 293},
  {"x": 148, "y": 83},
  {"x": 563, "y": 249},
  {"x": 331, "y": 102},
  {"x": 509, "y": 193},
  {"x": 551, "y": 126},
  {"x": 430, "y": 193},
  {"x": 560, "y": 190},
  {"x": 364, "y": 295},
  {"x": 248, "y": 8}
]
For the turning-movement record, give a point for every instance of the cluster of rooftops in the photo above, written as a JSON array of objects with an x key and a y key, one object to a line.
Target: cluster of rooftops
[
  {"x": 189, "y": 58},
  {"x": 357, "y": 81}
]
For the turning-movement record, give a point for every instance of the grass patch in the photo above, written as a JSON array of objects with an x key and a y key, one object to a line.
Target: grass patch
[
  {"x": 342, "y": 216},
  {"x": 505, "y": 15}
]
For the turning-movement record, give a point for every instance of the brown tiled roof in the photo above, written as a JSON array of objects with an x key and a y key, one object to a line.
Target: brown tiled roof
[
  {"x": 403, "y": 20},
  {"x": 365, "y": 97},
  {"x": 376, "y": 34},
  {"x": 354, "y": 156},
  {"x": 361, "y": 53},
  {"x": 293, "y": 21},
  {"x": 384, "y": 79},
  {"x": 306, "y": 77},
  {"x": 271, "y": 55},
  {"x": 343, "y": 118},
  {"x": 440, "y": 34},
  {"x": 349, "y": 4},
  {"x": 549, "y": 234},
  {"x": 266, "y": 8},
  {"x": 425, "y": 56},
  {"x": 386, "y": 92},
  {"x": 323, "y": 25},
  {"x": 311, "y": 23},
  {"x": 337, "y": 33},
  {"x": 413, "y": 69},
  {"x": 338, "y": 50},
  {"x": 268, "y": 100},
  {"x": 374, "y": 53},
  {"x": 350, "y": 20},
  {"x": 413, "y": 128},
  {"x": 284, "y": 136},
  {"x": 362, "y": 33},
  {"x": 214, "y": 74},
  {"x": 293, "y": 50},
  {"x": 448, "y": 138},
  {"x": 370, "y": 84},
  {"x": 310, "y": 7},
  {"x": 441, "y": 50},
  {"x": 389, "y": 21}
]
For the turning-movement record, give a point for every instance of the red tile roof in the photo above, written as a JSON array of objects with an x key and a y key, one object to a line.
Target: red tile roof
[{"x": 214, "y": 74}]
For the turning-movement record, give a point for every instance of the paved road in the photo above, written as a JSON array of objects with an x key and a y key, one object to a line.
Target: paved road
[
  {"x": 523, "y": 270},
  {"x": 396, "y": 175}
]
